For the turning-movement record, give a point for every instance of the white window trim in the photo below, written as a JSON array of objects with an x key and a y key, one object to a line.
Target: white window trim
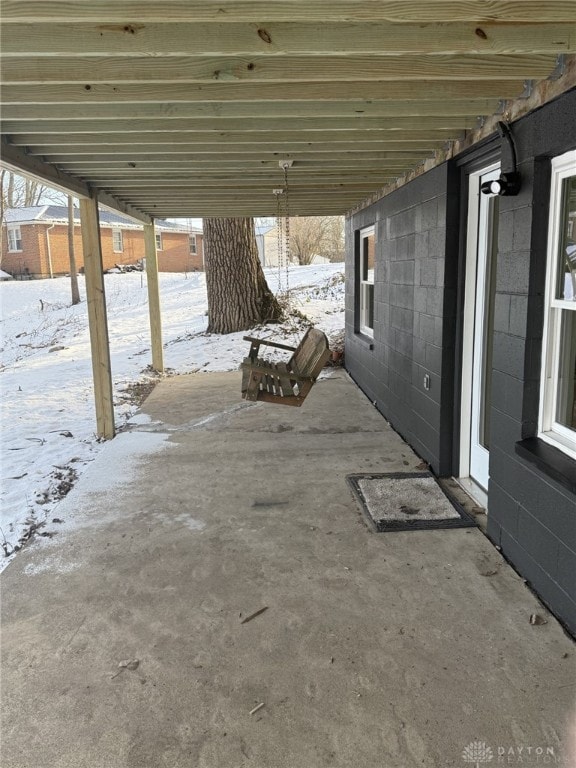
[
  {"x": 364, "y": 233},
  {"x": 159, "y": 241},
  {"x": 549, "y": 429},
  {"x": 193, "y": 244},
  {"x": 116, "y": 231},
  {"x": 18, "y": 238}
]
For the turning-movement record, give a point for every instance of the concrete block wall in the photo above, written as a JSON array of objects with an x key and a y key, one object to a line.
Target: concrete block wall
[
  {"x": 531, "y": 515},
  {"x": 415, "y": 305},
  {"x": 418, "y": 276}
]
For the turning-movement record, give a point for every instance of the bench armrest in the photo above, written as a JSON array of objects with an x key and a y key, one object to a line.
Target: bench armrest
[{"x": 253, "y": 340}]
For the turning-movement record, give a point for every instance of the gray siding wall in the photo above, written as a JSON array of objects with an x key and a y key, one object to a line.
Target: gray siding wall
[{"x": 531, "y": 516}]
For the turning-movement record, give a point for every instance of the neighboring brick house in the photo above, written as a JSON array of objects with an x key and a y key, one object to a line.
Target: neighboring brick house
[{"x": 35, "y": 242}]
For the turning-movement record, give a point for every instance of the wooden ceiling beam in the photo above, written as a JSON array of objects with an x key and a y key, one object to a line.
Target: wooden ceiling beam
[
  {"x": 272, "y": 180},
  {"x": 238, "y": 159},
  {"x": 284, "y": 38},
  {"x": 282, "y": 148},
  {"x": 247, "y": 207},
  {"x": 97, "y": 176},
  {"x": 248, "y": 174},
  {"x": 220, "y": 92},
  {"x": 264, "y": 192},
  {"x": 252, "y": 182},
  {"x": 185, "y": 107},
  {"x": 272, "y": 69},
  {"x": 151, "y": 195},
  {"x": 226, "y": 138},
  {"x": 102, "y": 112},
  {"x": 243, "y": 210},
  {"x": 16, "y": 160},
  {"x": 305, "y": 202},
  {"x": 139, "y": 12},
  {"x": 255, "y": 124},
  {"x": 215, "y": 168}
]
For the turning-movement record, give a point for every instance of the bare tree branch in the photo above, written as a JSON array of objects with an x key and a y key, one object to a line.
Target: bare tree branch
[{"x": 315, "y": 236}]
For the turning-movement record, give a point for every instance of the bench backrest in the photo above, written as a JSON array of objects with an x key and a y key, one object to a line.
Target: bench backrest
[{"x": 311, "y": 354}]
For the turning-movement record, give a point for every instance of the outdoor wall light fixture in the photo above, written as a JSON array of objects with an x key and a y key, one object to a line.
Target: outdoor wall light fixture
[{"x": 508, "y": 184}]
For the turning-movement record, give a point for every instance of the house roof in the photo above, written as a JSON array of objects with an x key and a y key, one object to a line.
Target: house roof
[
  {"x": 58, "y": 214},
  {"x": 180, "y": 109},
  {"x": 263, "y": 229},
  {"x": 30, "y": 213}
]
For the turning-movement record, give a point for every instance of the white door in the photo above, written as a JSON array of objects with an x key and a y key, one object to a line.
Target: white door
[{"x": 481, "y": 252}]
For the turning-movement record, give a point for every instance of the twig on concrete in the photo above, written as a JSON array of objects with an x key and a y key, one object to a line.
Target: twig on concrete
[{"x": 253, "y": 615}]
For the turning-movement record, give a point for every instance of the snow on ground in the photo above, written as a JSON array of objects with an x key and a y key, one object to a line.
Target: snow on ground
[{"x": 47, "y": 406}]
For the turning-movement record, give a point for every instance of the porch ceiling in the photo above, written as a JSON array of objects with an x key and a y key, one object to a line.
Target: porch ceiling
[{"x": 185, "y": 108}]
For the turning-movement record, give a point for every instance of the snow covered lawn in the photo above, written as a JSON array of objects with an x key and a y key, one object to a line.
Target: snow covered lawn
[{"x": 47, "y": 405}]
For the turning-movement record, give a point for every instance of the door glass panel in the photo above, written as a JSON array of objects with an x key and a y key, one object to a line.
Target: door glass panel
[
  {"x": 478, "y": 328},
  {"x": 488, "y": 330}
]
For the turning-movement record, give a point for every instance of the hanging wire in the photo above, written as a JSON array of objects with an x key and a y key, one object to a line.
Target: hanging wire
[
  {"x": 287, "y": 231},
  {"x": 279, "y": 246}
]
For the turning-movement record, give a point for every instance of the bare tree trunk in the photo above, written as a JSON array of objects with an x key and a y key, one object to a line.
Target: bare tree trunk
[
  {"x": 71, "y": 254},
  {"x": 238, "y": 294},
  {"x": 10, "y": 194},
  {"x": 2, "y": 206}
]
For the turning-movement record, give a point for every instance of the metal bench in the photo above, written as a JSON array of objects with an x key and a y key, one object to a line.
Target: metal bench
[{"x": 285, "y": 383}]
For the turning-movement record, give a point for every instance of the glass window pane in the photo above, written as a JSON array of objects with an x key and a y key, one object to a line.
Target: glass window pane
[
  {"x": 367, "y": 317},
  {"x": 14, "y": 239},
  {"x": 566, "y": 288},
  {"x": 566, "y": 402},
  {"x": 368, "y": 258},
  {"x": 370, "y": 307}
]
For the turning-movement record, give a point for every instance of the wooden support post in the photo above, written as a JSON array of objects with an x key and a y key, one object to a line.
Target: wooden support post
[
  {"x": 97, "y": 318},
  {"x": 153, "y": 297}
]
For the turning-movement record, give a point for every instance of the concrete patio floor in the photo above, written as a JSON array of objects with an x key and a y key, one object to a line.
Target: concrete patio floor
[{"x": 391, "y": 650}]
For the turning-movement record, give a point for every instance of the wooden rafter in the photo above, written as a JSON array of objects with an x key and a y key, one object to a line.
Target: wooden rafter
[
  {"x": 186, "y": 107},
  {"x": 302, "y": 38},
  {"x": 272, "y": 69},
  {"x": 224, "y": 11}
]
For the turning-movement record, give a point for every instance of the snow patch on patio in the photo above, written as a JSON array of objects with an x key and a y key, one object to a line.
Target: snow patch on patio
[{"x": 46, "y": 396}]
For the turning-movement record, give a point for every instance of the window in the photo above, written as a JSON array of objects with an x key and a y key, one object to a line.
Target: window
[
  {"x": 117, "y": 243},
  {"x": 158, "y": 241},
  {"x": 14, "y": 239},
  {"x": 193, "y": 246},
  {"x": 558, "y": 390},
  {"x": 366, "y": 281}
]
